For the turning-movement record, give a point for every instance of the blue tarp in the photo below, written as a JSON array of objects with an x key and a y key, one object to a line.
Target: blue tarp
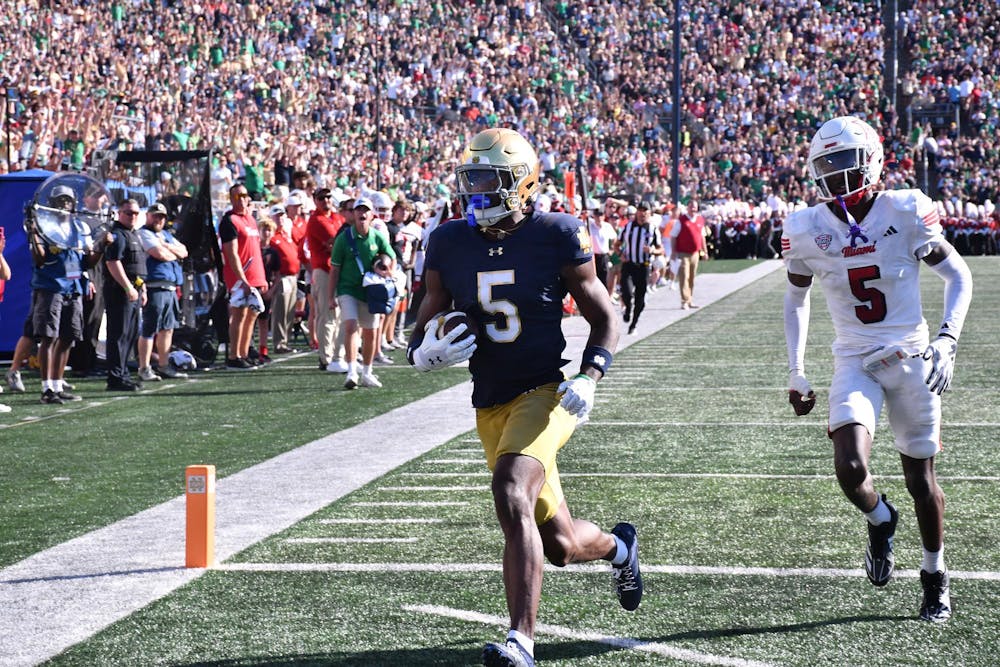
[{"x": 16, "y": 190}]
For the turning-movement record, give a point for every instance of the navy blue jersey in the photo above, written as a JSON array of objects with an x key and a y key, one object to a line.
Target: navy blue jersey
[{"x": 513, "y": 289}]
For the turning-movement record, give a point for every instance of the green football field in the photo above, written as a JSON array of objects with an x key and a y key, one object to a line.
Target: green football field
[{"x": 751, "y": 556}]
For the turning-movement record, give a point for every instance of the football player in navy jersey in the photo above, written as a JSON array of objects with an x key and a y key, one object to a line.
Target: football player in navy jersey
[{"x": 508, "y": 268}]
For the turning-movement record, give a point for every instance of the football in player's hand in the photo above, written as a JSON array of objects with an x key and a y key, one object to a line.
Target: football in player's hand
[{"x": 448, "y": 321}]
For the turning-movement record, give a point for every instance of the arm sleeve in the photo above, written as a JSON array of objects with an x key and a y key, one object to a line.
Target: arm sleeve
[
  {"x": 796, "y": 326},
  {"x": 957, "y": 293},
  {"x": 227, "y": 231}
]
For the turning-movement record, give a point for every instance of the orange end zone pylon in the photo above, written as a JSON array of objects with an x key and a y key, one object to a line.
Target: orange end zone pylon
[{"x": 199, "y": 489}]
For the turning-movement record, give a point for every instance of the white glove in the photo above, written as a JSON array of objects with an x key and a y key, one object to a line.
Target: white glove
[
  {"x": 578, "y": 395},
  {"x": 435, "y": 353},
  {"x": 941, "y": 354},
  {"x": 800, "y": 393}
]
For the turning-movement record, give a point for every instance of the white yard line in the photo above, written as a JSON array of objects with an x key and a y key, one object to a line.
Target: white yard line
[
  {"x": 703, "y": 475},
  {"x": 407, "y": 503},
  {"x": 423, "y": 489},
  {"x": 350, "y": 540},
  {"x": 779, "y": 424},
  {"x": 656, "y": 648},
  {"x": 66, "y": 594},
  {"x": 597, "y": 568},
  {"x": 373, "y": 522}
]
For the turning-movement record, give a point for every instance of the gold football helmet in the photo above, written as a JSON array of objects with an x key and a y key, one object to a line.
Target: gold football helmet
[{"x": 498, "y": 177}]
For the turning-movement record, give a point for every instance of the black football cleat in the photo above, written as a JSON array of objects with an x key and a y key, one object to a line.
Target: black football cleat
[
  {"x": 879, "y": 558},
  {"x": 628, "y": 580},
  {"x": 509, "y": 654},
  {"x": 935, "y": 606}
]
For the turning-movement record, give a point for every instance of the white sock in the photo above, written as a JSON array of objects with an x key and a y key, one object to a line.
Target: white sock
[
  {"x": 621, "y": 553},
  {"x": 933, "y": 561},
  {"x": 57, "y": 386},
  {"x": 352, "y": 367},
  {"x": 523, "y": 640},
  {"x": 46, "y": 385},
  {"x": 366, "y": 369},
  {"x": 879, "y": 514}
]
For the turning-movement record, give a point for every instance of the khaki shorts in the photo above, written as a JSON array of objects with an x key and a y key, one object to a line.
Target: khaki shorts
[
  {"x": 533, "y": 424},
  {"x": 355, "y": 309}
]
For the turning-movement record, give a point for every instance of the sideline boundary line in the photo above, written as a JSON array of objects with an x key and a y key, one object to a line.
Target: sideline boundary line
[{"x": 67, "y": 593}]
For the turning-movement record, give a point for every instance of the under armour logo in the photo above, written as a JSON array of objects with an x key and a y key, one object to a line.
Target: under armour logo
[
  {"x": 496, "y": 251},
  {"x": 599, "y": 360},
  {"x": 437, "y": 360}
]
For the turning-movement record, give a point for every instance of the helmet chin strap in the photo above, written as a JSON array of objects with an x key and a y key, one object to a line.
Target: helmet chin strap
[{"x": 855, "y": 233}]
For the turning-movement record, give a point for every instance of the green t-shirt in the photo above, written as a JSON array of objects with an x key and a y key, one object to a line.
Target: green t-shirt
[
  {"x": 76, "y": 149},
  {"x": 343, "y": 256},
  {"x": 254, "y": 178}
]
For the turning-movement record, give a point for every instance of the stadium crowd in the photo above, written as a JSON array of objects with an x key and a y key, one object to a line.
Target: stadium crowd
[
  {"x": 280, "y": 88},
  {"x": 360, "y": 97}
]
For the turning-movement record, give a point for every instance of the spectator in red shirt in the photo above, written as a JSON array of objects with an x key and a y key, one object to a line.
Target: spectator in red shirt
[
  {"x": 322, "y": 228},
  {"x": 689, "y": 246},
  {"x": 243, "y": 273},
  {"x": 284, "y": 289}
]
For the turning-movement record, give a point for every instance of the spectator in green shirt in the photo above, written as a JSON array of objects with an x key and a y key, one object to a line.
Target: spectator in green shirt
[{"x": 348, "y": 294}]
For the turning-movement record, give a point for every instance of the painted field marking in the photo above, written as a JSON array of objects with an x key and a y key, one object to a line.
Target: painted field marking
[
  {"x": 656, "y": 648},
  {"x": 595, "y": 568},
  {"x": 810, "y": 424},
  {"x": 377, "y": 521},
  {"x": 434, "y": 488},
  {"x": 349, "y": 540},
  {"x": 708, "y": 475},
  {"x": 443, "y": 503},
  {"x": 88, "y": 405},
  {"x": 452, "y": 462}
]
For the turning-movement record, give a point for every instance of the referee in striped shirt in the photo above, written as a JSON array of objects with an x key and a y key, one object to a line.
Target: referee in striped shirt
[{"x": 637, "y": 243}]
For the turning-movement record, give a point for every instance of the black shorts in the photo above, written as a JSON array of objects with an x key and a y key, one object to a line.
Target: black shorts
[
  {"x": 161, "y": 312},
  {"x": 56, "y": 315}
]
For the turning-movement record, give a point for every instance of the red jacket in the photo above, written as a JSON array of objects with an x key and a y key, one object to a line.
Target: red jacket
[
  {"x": 691, "y": 238},
  {"x": 288, "y": 255},
  {"x": 320, "y": 231}
]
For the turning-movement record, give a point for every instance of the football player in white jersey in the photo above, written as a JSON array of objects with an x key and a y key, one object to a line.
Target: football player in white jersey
[{"x": 865, "y": 248}]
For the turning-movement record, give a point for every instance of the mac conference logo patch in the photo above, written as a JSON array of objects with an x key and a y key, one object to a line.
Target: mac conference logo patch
[{"x": 824, "y": 241}]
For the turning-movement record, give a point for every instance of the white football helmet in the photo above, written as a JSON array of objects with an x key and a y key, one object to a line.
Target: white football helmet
[
  {"x": 845, "y": 158},
  {"x": 498, "y": 177},
  {"x": 383, "y": 204},
  {"x": 182, "y": 360}
]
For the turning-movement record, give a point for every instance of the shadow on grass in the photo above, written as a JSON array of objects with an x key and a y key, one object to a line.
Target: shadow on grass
[
  {"x": 463, "y": 655},
  {"x": 91, "y": 575},
  {"x": 777, "y": 629},
  {"x": 448, "y": 656}
]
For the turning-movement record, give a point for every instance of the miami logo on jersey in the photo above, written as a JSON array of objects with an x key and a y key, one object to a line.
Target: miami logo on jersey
[{"x": 854, "y": 252}]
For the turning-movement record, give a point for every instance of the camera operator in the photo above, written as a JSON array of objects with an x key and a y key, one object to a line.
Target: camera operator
[{"x": 58, "y": 284}]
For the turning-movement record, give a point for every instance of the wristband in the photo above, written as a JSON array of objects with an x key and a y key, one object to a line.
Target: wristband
[{"x": 596, "y": 357}]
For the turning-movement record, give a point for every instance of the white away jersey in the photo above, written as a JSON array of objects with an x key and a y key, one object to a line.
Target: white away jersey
[{"x": 871, "y": 279}]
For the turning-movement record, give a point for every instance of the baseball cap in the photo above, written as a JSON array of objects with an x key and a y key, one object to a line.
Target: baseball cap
[
  {"x": 293, "y": 200},
  {"x": 364, "y": 201},
  {"x": 644, "y": 206},
  {"x": 62, "y": 191},
  {"x": 156, "y": 209},
  {"x": 277, "y": 209}
]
